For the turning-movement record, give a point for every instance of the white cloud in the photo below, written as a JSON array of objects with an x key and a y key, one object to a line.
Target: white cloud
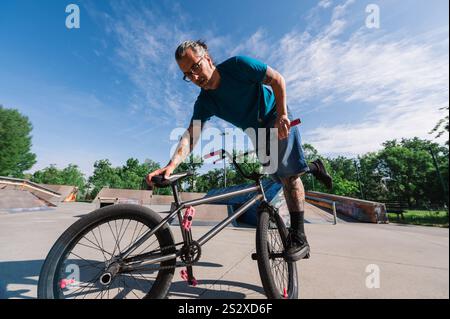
[
  {"x": 254, "y": 46},
  {"x": 404, "y": 82},
  {"x": 325, "y": 3},
  {"x": 146, "y": 40},
  {"x": 401, "y": 80}
]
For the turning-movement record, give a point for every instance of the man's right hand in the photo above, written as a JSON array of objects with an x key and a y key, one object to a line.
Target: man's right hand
[{"x": 166, "y": 171}]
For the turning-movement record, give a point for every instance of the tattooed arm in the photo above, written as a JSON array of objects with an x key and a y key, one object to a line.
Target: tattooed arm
[
  {"x": 184, "y": 148},
  {"x": 275, "y": 80}
]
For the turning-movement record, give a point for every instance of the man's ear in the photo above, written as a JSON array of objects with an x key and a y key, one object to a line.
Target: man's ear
[{"x": 207, "y": 57}]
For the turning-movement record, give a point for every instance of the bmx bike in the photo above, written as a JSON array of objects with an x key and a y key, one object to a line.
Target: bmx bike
[{"x": 127, "y": 251}]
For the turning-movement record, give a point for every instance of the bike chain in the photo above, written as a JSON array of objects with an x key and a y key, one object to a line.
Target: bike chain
[{"x": 184, "y": 263}]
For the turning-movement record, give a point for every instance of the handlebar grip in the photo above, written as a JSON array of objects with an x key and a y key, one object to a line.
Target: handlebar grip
[
  {"x": 295, "y": 122},
  {"x": 212, "y": 154}
]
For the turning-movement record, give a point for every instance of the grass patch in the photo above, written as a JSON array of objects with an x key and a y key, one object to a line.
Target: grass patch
[{"x": 422, "y": 217}]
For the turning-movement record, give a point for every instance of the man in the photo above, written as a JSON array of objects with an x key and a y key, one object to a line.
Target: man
[{"x": 237, "y": 91}]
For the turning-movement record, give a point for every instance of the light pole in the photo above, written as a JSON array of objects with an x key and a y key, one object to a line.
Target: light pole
[
  {"x": 224, "y": 160},
  {"x": 438, "y": 172},
  {"x": 359, "y": 179}
]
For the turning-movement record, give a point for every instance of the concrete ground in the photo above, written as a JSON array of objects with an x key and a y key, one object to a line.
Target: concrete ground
[{"x": 349, "y": 260}]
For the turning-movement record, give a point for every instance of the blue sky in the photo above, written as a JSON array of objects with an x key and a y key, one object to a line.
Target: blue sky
[{"x": 111, "y": 89}]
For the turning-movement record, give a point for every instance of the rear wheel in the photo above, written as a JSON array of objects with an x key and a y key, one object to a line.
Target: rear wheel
[
  {"x": 279, "y": 277},
  {"x": 84, "y": 263}
]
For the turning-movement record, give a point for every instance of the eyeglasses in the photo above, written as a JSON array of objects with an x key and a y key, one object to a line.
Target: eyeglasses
[{"x": 194, "y": 70}]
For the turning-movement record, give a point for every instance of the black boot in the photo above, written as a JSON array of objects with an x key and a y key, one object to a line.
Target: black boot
[
  {"x": 297, "y": 247},
  {"x": 318, "y": 170}
]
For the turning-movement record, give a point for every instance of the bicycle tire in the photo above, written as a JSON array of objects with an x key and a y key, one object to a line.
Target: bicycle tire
[
  {"x": 49, "y": 280},
  {"x": 276, "y": 285}
]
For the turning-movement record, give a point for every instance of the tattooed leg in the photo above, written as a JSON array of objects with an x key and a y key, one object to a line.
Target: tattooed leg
[{"x": 294, "y": 193}]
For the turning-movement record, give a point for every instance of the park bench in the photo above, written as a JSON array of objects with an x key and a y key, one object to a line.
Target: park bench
[{"x": 397, "y": 208}]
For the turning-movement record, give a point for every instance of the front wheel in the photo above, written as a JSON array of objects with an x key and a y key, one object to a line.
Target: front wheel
[
  {"x": 279, "y": 277},
  {"x": 84, "y": 262}
]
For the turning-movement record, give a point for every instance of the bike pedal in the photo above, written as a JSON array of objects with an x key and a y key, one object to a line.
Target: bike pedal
[
  {"x": 193, "y": 282},
  {"x": 188, "y": 218},
  {"x": 190, "y": 281},
  {"x": 184, "y": 275},
  {"x": 254, "y": 256}
]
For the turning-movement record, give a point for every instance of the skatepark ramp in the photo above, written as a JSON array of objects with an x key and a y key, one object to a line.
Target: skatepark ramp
[
  {"x": 108, "y": 196},
  {"x": 18, "y": 195},
  {"x": 357, "y": 209},
  {"x": 274, "y": 194},
  {"x": 67, "y": 193}
]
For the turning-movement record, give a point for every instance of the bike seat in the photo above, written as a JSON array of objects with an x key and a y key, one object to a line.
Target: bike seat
[{"x": 160, "y": 181}]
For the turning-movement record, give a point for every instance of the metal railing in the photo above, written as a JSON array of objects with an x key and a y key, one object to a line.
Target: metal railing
[{"x": 326, "y": 201}]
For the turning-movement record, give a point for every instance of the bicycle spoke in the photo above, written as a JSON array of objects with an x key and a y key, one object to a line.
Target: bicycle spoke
[
  {"x": 90, "y": 282},
  {"x": 134, "y": 232},
  {"x": 89, "y": 262},
  {"x": 131, "y": 243},
  {"x": 124, "y": 231},
  {"x": 103, "y": 251},
  {"x": 279, "y": 267},
  {"x": 99, "y": 245},
  {"x": 156, "y": 239},
  {"x": 130, "y": 289},
  {"x": 140, "y": 287},
  {"x": 118, "y": 235},
  {"x": 115, "y": 239},
  {"x": 138, "y": 235}
]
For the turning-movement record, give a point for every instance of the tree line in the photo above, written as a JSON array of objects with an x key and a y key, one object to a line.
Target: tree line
[{"x": 412, "y": 171}]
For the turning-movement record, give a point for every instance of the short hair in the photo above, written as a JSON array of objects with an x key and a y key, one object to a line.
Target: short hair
[{"x": 199, "y": 47}]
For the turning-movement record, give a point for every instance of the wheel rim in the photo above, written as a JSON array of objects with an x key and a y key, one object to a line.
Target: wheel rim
[
  {"x": 89, "y": 268},
  {"x": 281, "y": 270}
]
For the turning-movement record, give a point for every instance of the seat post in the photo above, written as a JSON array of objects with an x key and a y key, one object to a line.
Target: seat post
[{"x": 175, "y": 194}]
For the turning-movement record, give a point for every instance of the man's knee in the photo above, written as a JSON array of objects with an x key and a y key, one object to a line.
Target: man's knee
[{"x": 293, "y": 183}]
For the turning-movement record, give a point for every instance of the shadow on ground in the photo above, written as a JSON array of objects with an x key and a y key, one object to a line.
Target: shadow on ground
[{"x": 19, "y": 279}]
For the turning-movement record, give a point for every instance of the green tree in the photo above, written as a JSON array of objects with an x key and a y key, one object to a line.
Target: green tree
[
  {"x": 308, "y": 180},
  {"x": 442, "y": 126},
  {"x": 104, "y": 175},
  {"x": 407, "y": 167},
  {"x": 48, "y": 175},
  {"x": 345, "y": 180},
  {"x": 71, "y": 175},
  {"x": 190, "y": 164},
  {"x": 129, "y": 176},
  {"x": 212, "y": 179},
  {"x": 249, "y": 164},
  {"x": 15, "y": 143}
]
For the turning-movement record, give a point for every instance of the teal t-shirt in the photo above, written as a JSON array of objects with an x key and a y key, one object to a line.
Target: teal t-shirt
[{"x": 241, "y": 99}]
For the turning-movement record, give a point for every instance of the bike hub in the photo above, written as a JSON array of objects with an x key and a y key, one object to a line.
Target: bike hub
[{"x": 107, "y": 277}]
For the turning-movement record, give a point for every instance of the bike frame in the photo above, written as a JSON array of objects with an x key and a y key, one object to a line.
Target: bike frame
[{"x": 152, "y": 258}]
